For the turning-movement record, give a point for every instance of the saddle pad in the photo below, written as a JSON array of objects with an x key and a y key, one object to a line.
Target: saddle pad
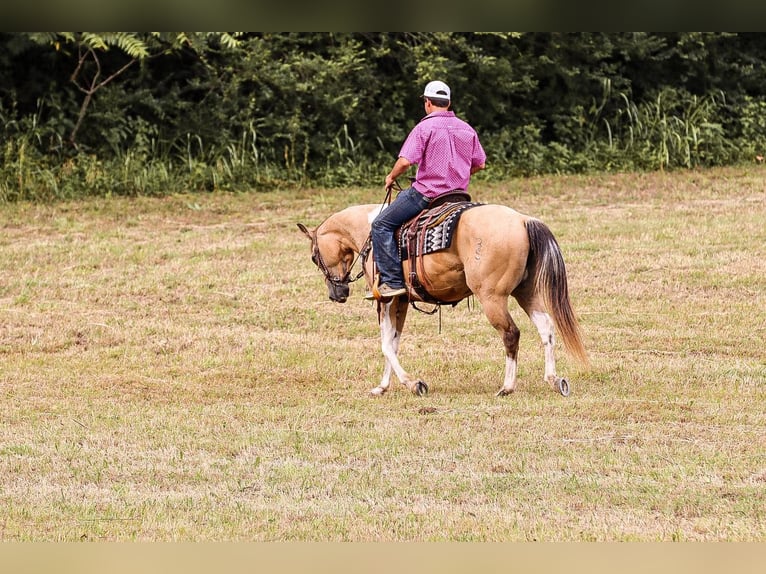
[{"x": 438, "y": 224}]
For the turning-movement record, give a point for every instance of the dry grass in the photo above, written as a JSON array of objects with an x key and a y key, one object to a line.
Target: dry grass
[{"x": 171, "y": 369}]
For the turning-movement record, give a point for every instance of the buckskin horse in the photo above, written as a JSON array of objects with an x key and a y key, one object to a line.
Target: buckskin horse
[{"x": 494, "y": 252}]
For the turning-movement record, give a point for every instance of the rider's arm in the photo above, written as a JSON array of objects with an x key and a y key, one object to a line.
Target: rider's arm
[{"x": 402, "y": 164}]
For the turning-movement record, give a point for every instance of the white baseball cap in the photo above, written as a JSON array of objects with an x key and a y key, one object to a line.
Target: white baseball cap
[{"x": 437, "y": 89}]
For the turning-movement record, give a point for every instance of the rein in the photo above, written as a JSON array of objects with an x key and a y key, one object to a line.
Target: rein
[
  {"x": 346, "y": 279},
  {"x": 363, "y": 252}
]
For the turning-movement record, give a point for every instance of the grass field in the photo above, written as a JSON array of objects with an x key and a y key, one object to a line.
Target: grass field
[{"x": 171, "y": 369}]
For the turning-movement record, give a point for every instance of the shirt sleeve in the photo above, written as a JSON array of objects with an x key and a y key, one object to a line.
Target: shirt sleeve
[
  {"x": 413, "y": 146},
  {"x": 479, "y": 156}
]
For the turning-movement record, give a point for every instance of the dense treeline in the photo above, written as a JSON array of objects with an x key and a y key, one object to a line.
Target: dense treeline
[{"x": 154, "y": 113}]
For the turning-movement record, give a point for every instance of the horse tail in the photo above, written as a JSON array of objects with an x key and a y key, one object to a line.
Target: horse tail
[{"x": 550, "y": 280}]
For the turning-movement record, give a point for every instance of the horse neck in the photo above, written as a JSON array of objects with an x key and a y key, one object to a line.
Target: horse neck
[{"x": 351, "y": 226}]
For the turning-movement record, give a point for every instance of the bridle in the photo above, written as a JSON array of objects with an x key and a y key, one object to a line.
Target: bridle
[
  {"x": 316, "y": 257},
  {"x": 364, "y": 252}
]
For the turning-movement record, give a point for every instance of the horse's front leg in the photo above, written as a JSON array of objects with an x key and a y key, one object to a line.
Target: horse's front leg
[{"x": 391, "y": 315}]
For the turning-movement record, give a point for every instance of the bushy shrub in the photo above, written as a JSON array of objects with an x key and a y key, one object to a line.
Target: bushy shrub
[{"x": 302, "y": 109}]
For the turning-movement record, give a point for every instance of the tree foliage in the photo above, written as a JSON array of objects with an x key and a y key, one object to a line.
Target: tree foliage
[{"x": 151, "y": 112}]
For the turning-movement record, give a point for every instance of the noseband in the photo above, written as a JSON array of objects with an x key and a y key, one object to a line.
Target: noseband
[{"x": 346, "y": 279}]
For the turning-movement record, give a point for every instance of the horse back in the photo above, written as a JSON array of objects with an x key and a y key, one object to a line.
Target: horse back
[
  {"x": 489, "y": 249},
  {"x": 491, "y": 232}
]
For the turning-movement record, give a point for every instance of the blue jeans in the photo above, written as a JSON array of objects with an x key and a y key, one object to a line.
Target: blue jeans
[{"x": 407, "y": 205}]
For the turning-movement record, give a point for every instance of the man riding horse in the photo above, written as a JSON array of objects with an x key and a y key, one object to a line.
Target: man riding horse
[
  {"x": 447, "y": 152},
  {"x": 495, "y": 252}
]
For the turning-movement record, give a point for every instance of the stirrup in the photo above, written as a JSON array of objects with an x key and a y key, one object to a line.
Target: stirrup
[
  {"x": 391, "y": 291},
  {"x": 375, "y": 294}
]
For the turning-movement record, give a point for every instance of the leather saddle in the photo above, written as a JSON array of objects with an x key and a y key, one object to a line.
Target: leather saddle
[{"x": 428, "y": 232}]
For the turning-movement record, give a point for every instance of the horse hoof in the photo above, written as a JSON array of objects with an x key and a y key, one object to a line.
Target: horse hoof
[
  {"x": 420, "y": 389},
  {"x": 563, "y": 387},
  {"x": 377, "y": 392},
  {"x": 503, "y": 392}
]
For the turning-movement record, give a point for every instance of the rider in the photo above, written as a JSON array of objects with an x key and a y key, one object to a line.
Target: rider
[{"x": 447, "y": 152}]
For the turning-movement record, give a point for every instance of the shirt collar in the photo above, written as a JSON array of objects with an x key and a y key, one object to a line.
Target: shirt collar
[{"x": 446, "y": 114}]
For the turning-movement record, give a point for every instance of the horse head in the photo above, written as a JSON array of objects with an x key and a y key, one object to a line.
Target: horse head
[{"x": 335, "y": 264}]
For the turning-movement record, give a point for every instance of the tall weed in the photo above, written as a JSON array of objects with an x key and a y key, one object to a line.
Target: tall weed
[{"x": 673, "y": 130}]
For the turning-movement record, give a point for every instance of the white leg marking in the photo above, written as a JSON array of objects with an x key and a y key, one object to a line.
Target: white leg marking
[
  {"x": 509, "y": 383},
  {"x": 389, "y": 338},
  {"x": 544, "y": 325}
]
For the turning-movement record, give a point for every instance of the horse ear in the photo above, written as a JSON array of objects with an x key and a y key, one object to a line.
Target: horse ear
[{"x": 306, "y": 231}]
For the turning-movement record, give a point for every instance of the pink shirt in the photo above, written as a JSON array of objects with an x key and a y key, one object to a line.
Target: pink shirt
[{"x": 445, "y": 148}]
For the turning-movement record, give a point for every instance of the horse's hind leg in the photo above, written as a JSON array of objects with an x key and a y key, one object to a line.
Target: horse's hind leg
[
  {"x": 542, "y": 320},
  {"x": 496, "y": 310},
  {"x": 544, "y": 325}
]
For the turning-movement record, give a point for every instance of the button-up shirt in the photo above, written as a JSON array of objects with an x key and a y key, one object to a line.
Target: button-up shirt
[{"x": 445, "y": 148}]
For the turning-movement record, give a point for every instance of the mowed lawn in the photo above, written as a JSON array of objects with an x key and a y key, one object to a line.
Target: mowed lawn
[{"x": 172, "y": 369}]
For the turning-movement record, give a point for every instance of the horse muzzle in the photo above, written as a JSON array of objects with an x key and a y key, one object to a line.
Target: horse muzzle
[{"x": 338, "y": 292}]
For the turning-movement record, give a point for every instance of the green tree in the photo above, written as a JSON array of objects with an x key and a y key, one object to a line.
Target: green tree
[
  {"x": 92, "y": 72},
  {"x": 148, "y": 112}
]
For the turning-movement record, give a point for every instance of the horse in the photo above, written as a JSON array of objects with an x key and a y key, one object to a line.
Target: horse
[{"x": 495, "y": 252}]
